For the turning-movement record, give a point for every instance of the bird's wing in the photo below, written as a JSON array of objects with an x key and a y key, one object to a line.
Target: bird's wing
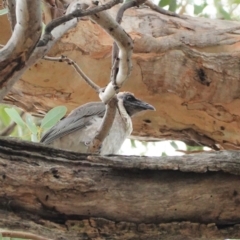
[{"x": 77, "y": 119}]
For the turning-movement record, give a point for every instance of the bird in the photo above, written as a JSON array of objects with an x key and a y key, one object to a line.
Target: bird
[{"x": 78, "y": 129}]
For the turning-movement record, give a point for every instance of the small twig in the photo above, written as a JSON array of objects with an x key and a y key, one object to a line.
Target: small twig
[
  {"x": 18, "y": 234},
  {"x": 161, "y": 10},
  {"x": 8, "y": 130},
  {"x": 75, "y": 14},
  {"x": 105, "y": 127},
  {"x": 77, "y": 68}
]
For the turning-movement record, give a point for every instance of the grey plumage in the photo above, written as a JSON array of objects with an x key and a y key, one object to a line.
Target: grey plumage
[{"x": 78, "y": 129}]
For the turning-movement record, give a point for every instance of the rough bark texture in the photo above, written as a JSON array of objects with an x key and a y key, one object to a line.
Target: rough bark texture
[
  {"x": 64, "y": 195},
  {"x": 188, "y": 68}
]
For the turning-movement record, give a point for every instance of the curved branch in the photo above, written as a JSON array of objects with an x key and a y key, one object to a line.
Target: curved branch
[
  {"x": 79, "y": 12},
  {"x": 125, "y": 45},
  {"x": 19, "y": 48}
]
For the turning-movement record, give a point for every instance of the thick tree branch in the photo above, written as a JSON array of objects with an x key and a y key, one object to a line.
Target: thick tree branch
[
  {"x": 69, "y": 195},
  {"x": 38, "y": 52}
]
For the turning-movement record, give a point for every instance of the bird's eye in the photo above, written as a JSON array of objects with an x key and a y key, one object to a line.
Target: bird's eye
[{"x": 130, "y": 98}]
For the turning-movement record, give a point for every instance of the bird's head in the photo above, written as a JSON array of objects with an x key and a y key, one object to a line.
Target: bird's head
[{"x": 132, "y": 104}]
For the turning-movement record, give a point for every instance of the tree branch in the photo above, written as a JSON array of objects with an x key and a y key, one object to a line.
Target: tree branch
[
  {"x": 105, "y": 127},
  {"x": 77, "y": 68},
  {"x": 79, "y": 12},
  {"x": 24, "y": 235},
  {"x": 19, "y": 48},
  {"x": 11, "y": 5},
  {"x": 115, "y": 50},
  {"x": 70, "y": 197},
  {"x": 38, "y": 52},
  {"x": 125, "y": 45}
]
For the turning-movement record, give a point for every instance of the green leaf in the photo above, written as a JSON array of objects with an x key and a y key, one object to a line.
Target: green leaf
[
  {"x": 3, "y": 11},
  {"x": 163, "y": 3},
  {"x": 164, "y": 154},
  {"x": 173, "y": 6},
  {"x": 221, "y": 10},
  {"x": 53, "y": 116},
  {"x": 194, "y": 148},
  {"x": 14, "y": 115},
  {"x": 174, "y": 145},
  {"x": 225, "y": 14},
  {"x": 4, "y": 116},
  {"x": 199, "y": 8},
  {"x": 133, "y": 144},
  {"x": 31, "y": 125}
]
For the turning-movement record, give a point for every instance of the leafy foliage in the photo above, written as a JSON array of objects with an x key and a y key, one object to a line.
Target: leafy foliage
[
  {"x": 28, "y": 129},
  {"x": 226, "y": 9}
]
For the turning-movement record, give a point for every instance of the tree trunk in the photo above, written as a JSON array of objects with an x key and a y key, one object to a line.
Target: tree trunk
[{"x": 63, "y": 195}]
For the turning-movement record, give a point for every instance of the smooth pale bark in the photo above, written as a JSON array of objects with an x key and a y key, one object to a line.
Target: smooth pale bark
[
  {"x": 20, "y": 46},
  {"x": 53, "y": 192}
]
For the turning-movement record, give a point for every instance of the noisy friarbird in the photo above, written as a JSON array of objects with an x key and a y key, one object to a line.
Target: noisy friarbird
[{"x": 77, "y": 130}]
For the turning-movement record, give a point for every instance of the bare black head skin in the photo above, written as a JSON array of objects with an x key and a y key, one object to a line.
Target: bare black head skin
[{"x": 134, "y": 105}]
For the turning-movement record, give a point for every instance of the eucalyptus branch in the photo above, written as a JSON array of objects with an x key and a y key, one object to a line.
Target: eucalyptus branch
[
  {"x": 79, "y": 12},
  {"x": 77, "y": 68},
  {"x": 123, "y": 61},
  {"x": 16, "y": 52},
  {"x": 39, "y": 52},
  {"x": 125, "y": 45},
  {"x": 115, "y": 50}
]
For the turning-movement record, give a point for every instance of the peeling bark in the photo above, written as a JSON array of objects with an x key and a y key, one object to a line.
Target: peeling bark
[{"x": 61, "y": 194}]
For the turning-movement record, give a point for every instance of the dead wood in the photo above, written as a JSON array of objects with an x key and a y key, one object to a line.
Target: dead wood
[{"x": 60, "y": 194}]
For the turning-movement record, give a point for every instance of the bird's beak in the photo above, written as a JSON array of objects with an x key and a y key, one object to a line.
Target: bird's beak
[{"x": 143, "y": 105}]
